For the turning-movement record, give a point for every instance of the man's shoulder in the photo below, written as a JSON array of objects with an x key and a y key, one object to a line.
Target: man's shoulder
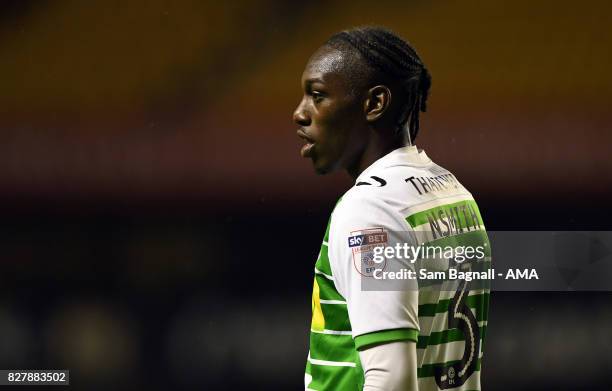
[
  {"x": 391, "y": 187},
  {"x": 393, "y": 190},
  {"x": 356, "y": 202},
  {"x": 373, "y": 199}
]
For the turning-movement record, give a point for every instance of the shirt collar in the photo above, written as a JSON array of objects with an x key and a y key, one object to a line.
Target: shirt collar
[{"x": 408, "y": 155}]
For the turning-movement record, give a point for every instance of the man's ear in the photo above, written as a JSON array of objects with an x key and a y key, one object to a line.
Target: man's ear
[{"x": 377, "y": 102}]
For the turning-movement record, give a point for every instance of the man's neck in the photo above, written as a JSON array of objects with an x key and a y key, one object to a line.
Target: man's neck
[{"x": 376, "y": 149}]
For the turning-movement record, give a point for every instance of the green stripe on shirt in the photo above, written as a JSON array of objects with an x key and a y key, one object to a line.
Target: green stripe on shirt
[{"x": 384, "y": 336}]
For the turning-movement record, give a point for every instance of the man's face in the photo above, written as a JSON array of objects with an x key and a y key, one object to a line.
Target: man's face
[{"x": 330, "y": 115}]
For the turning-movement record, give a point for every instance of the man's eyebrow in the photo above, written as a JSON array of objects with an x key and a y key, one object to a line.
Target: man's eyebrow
[{"x": 313, "y": 80}]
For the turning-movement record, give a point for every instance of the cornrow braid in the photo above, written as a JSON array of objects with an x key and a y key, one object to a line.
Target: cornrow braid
[{"x": 389, "y": 54}]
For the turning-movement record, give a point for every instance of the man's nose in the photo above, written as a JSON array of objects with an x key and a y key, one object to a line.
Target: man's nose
[{"x": 300, "y": 116}]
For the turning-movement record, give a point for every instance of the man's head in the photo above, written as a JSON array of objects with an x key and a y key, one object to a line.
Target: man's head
[{"x": 363, "y": 86}]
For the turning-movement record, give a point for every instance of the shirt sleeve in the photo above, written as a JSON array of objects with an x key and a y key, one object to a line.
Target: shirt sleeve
[
  {"x": 379, "y": 311},
  {"x": 390, "y": 367}
]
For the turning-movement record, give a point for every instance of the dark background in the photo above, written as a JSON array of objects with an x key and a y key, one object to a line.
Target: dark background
[{"x": 159, "y": 228}]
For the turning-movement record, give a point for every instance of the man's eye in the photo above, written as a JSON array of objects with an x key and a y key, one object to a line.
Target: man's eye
[{"x": 317, "y": 96}]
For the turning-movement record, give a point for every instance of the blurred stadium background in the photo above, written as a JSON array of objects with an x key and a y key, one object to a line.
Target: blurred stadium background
[{"x": 159, "y": 227}]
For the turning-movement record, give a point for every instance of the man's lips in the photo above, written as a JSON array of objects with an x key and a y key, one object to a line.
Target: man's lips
[{"x": 306, "y": 150}]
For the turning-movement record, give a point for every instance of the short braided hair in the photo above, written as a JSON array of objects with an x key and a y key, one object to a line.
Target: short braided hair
[{"x": 396, "y": 59}]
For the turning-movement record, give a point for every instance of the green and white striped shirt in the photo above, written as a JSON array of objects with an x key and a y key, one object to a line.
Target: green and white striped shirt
[{"x": 403, "y": 192}]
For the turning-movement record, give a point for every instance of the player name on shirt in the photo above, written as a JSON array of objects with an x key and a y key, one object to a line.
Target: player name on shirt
[{"x": 426, "y": 184}]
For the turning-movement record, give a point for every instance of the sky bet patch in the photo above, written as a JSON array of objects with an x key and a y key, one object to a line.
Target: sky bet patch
[
  {"x": 362, "y": 244},
  {"x": 376, "y": 237}
]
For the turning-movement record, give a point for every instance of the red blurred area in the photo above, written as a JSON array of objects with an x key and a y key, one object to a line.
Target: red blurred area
[{"x": 193, "y": 100}]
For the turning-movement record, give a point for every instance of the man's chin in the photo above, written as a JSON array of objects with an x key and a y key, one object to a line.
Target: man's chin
[{"x": 322, "y": 169}]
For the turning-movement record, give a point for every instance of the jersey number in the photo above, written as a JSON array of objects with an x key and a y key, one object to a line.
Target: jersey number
[{"x": 461, "y": 317}]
